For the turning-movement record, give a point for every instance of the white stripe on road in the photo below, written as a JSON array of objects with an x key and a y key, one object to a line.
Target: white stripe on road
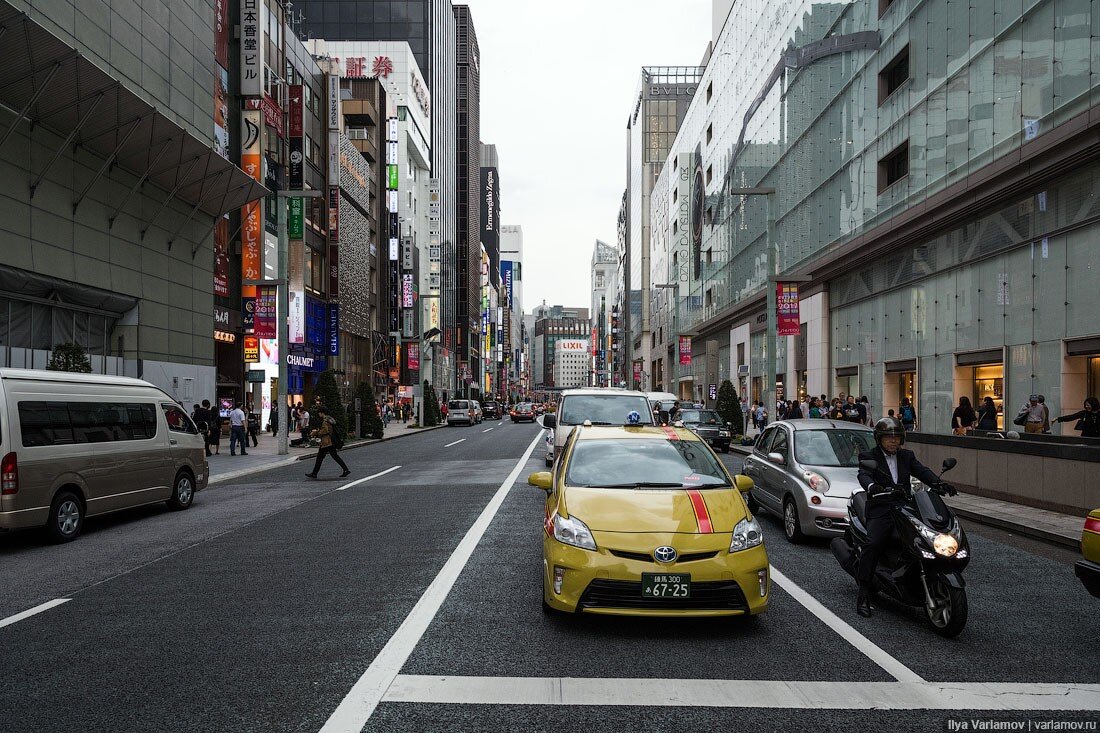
[
  {"x": 893, "y": 667},
  {"x": 1028, "y": 696},
  {"x": 486, "y": 430},
  {"x": 460, "y": 440},
  {"x": 360, "y": 702},
  {"x": 368, "y": 478},
  {"x": 32, "y": 611}
]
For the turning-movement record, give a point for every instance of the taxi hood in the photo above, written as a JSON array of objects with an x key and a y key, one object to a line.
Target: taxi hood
[{"x": 687, "y": 511}]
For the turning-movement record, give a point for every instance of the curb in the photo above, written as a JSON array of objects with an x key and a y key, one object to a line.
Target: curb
[{"x": 221, "y": 478}]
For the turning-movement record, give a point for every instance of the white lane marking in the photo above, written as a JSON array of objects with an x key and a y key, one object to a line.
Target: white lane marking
[
  {"x": 460, "y": 440},
  {"x": 745, "y": 693},
  {"x": 32, "y": 611},
  {"x": 893, "y": 667},
  {"x": 360, "y": 702},
  {"x": 486, "y": 430},
  {"x": 368, "y": 478}
]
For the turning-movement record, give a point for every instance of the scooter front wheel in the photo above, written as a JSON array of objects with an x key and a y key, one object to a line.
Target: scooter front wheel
[{"x": 948, "y": 616}]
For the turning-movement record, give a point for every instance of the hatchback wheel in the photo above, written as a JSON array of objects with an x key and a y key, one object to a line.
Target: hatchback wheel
[
  {"x": 792, "y": 530},
  {"x": 66, "y": 517},
  {"x": 183, "y": 491}
]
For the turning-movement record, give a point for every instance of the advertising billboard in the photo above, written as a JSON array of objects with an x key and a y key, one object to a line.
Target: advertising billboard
[
  {"x": 252, "y": 48},
  {"x": 786, "y": 306},
  {"x": 685, "y": 351}
]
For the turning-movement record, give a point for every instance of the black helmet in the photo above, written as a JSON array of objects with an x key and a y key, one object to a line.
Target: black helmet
[{"x": 889, "y": 426}]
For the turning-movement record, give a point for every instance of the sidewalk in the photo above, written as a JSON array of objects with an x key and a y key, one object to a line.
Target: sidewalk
[
  {"x": 265, "y": 456},
  {"x": 1054, "y": 527}
]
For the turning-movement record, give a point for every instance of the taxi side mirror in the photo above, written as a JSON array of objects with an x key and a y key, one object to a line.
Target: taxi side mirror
[
  {"x": 742, "y": 482},
  {"x": 541, "y": 479}
]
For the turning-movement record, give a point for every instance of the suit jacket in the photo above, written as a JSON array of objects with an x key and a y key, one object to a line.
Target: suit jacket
[{"x": 908, "y": 466}]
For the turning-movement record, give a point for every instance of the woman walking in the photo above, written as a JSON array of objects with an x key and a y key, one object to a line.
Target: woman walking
[
  {"x": 987, "y": 415},
  {"x": 1088, "y": 419},
  {"x": 964, "y": 417},
  {"x": 326, "y": 433}
]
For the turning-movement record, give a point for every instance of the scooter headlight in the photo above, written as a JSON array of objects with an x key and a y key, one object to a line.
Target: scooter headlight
[{"x": 945, "y": 545}]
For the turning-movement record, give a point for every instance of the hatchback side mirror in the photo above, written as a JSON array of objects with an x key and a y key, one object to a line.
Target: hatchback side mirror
[
  {"x": 549, "y": 420},
  {"x": 777, "y": 459}
]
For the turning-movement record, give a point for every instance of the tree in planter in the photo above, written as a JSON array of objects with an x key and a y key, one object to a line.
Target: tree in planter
[
  {"x": 370, "y": 425},
  {"x": 329, "y": 393},
  {"x": 729, "y": 407},
  {"x": 69, "y": 357},
  {"x": 431, "y": 406}
]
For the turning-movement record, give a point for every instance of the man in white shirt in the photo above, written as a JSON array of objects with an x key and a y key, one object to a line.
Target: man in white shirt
[
  {"x": 303, "y": 426},
  {"x": 236, "y": 430}
]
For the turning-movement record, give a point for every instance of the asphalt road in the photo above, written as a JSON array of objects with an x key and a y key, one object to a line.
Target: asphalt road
[{"x": 411, "y": 602}]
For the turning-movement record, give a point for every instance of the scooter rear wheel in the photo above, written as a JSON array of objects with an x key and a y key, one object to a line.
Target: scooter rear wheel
[{"x": 949, "y": 616}]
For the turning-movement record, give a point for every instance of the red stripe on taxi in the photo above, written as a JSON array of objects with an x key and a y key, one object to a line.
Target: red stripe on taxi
[
  {"x": 548, "y": 525},
  {"x": 1092, "y": 525},
  {"x": 702, "y": 515},
  {"x": 670, "y": 433}
]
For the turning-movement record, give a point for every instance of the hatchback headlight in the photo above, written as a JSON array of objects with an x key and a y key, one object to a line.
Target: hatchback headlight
[
  {"x": 572, "y": 531},
  {"x": 816, "y": 481},
  {"x": 745, "y": 535}
]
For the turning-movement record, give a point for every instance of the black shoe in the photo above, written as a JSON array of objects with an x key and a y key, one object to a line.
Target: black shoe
[
  {"x": 345, "y": 473},
  {"x": 863, "y": 604},
  {"x": 243, "y": 453},
  {"x": 311, "y": 475}
]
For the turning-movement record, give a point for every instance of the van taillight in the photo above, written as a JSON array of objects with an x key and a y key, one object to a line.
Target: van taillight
[{"x": 9, "y": 475}]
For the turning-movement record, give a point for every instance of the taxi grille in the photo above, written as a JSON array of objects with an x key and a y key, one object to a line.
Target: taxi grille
[
  {"x": 724, "y": 595},
  {"x": 645, "y": 557}
]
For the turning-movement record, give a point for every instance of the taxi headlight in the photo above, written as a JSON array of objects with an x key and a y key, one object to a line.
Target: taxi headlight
[
  {"x": 745, "y": 535},
  {"x": 572, "y": 531},
  {"x": 945, "y": 545}
]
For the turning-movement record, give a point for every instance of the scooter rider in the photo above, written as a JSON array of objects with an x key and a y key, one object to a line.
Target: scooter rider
[{"x": 887, "y": 488}]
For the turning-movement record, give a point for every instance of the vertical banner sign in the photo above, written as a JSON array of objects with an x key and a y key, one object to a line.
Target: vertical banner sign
[
  {"x": 295, "y": 221},
  {"x": 265, "y": 324},
  {"x": 221, "y": 257},
  {"x": 786, "y": 305},
  {"x": 252, "y": 49},
  {"x": 297, "y": 311},
  {"x": 334, "y": 103},
  {"x": 334, "y": 329},
  {"x": 413, "y": 358},
  {"x": 248, "y": 308},
  {"x": 297, "y": 154},
  {"x": 638, "y": 371},
  {"x": 333, "y": 241},
  {"x": 221, "y": 33},
  {"x": 392, "y": 179},
  {"x": 685, "y": 351},
  {"x": 252, "y": 226},
  {"x": 407, "y": 290},
  {"x": 712, "y": 391},
  {"x": 251, "y": 350}
]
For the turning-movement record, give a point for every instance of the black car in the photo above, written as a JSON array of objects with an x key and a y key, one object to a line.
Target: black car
[
  {"x": 491, "y": 410},
  {"x": 708, "y": 425}
]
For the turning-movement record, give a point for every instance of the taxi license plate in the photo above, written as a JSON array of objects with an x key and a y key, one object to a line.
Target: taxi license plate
[{"x": 666, "y": 585}]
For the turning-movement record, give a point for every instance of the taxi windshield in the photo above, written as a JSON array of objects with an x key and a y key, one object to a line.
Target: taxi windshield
[
  {"x": 631, "y": 463},
  {"x": 700, "y": 417},
  {"x": 832, "y": 448},
  {"x": 610, "y": 409}
]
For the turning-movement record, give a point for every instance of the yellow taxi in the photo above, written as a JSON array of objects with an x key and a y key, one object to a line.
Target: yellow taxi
[
  {"x": 646, "y": 521},
  {"x": 1088, "y": 568}
]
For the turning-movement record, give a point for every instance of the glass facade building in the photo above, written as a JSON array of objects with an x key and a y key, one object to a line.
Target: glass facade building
[{"x": 932, "y": 176}]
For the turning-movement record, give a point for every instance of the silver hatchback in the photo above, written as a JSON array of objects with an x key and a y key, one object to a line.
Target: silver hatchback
[{"x": 805, "y": 472}]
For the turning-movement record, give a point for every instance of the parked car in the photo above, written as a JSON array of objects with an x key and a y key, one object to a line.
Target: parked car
[
  {"x": 598, "y": 406},
  {"x": 462, "y": 412},
  {"x": 639, "y": 523},
  {"x": 81, "y": 445},
  {"x": 805, "y": 471},
  {"x": 523, "y": 413},
  {"x": 1088, "y": 567},
  {"x": 479, "y": 414},
  {"x": 492, "y": 410},
  {"x": 708, "y": 425}
]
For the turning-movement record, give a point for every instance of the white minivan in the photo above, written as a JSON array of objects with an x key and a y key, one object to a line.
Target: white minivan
[
  {"x": 599, "y": 406},
  {"x": 78, "y": 445}
]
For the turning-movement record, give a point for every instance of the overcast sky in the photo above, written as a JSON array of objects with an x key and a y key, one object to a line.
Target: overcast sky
[{"x": 557, "y": 85}]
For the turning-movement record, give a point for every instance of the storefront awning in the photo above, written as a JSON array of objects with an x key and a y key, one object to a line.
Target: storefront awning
[{"x": 51, "y": 84}]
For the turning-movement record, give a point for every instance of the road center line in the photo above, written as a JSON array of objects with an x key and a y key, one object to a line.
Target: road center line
[
  {"x": 360, "y": 702},
  {"x": 486, "y": 430},
  {"x": 893, "y": 667},
  {"x": 779, "y": 694},
  {"x": 368, "y": 478},
  {"x": 32, "y": 611},
  {"x": 460, "y": 440}
]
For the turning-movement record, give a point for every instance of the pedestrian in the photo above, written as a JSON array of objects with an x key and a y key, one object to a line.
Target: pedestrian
[
  {"x": 385, "y": 410},
  {"x": 254, "y": 428},
  {"x": 963, "y": 418},
  {"x": 330, "y": 443},
  {"x": 1034, "y": 416},
  {"x": 303, "y": 425},
  {"x": 987, "y": 415},
  {"x": 1088, "y": 419},
  {"x": 236, "y": 430},
  {"x": 443, "y": 410},
  {"x": 214, "y": 428},
  {"x": 761, "y": 415},
  {"x": 836, "y": 410},
  {"x": 853, "y": 412},
  {"x": 908, "y": 415},
  {"x": 794, "y": 411},
  {"x": 274, "y": 421},
  {"x": 203, "y": 417},
  {"x": 815, "y": 408},
  {"x": 804, "y": 407},
  {"x": 865, "y": 405}
]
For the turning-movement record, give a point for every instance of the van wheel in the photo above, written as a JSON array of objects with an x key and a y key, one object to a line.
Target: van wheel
[
  {"x": 183, "y": 491},
  {"x": 66, "y": 517}
]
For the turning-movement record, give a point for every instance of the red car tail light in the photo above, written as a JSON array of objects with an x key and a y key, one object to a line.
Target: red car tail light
[{"x": 9, "y": 475}]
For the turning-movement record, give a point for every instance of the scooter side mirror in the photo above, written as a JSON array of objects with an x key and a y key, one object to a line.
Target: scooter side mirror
[
  {"x": 949, "y": 464},
  {"x": 869, "y": 465}
]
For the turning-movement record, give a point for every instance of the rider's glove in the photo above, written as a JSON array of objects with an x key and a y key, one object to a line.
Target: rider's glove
[{"x": 948, "y": 489}]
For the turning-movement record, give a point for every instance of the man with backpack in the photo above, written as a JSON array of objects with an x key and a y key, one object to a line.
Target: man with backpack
[{"x": 331, "y": 442}]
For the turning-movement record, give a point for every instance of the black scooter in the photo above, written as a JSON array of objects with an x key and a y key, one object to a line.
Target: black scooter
[{"x": 923, "y": 567}]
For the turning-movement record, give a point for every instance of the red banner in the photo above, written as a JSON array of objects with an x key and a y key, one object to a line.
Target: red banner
[
  {"x": 221, "y": 32},
  {"x": 685, "y": 351},
  {"x": 786, "y": 309},
  {"x": 637, "y": 371},
  {"x": 273, "y": 113},
  {"x": 413, "y": 359}
]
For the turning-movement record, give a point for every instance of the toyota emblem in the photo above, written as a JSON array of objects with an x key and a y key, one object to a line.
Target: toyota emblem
[{"x": 664, "y": 553}]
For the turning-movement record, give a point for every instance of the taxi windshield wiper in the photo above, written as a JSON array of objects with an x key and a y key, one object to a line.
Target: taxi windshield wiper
[
  {"x": 719, "y": 485},
  {"x": 642, "y": 485}
]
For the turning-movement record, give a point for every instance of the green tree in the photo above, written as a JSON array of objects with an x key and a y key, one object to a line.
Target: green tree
[
  {"x": 431, "y": 406},
  {"x": 729, "y": 407},
  {"x": 69, "y": 357},
  {"x": 329, "y": 393},
  {"x": 370, "y": 425}
]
